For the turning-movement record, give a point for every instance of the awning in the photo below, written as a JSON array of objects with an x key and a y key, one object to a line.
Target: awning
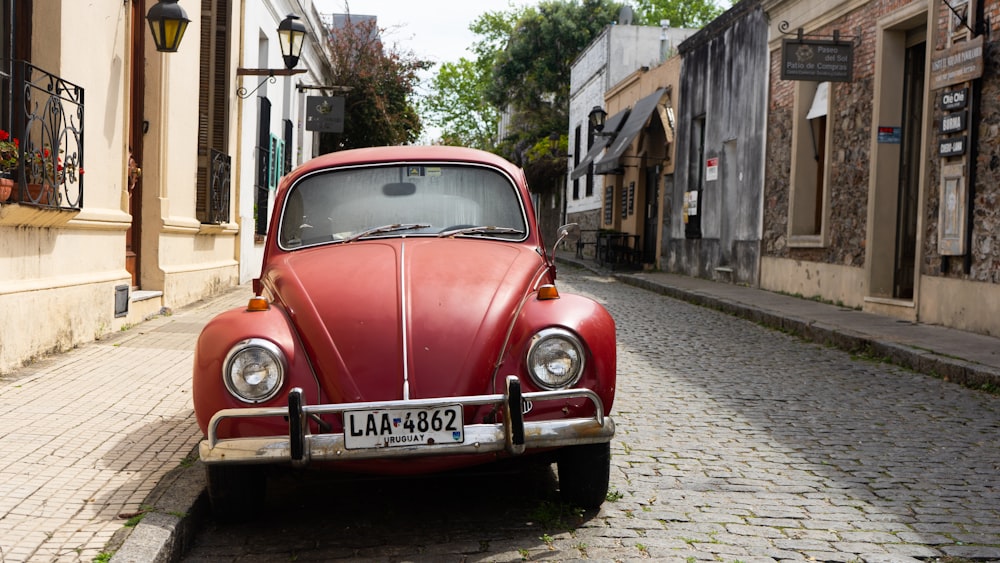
[
  {"x": 600, "y": 142},
  {"x": 819, "y": 105},
  {"x": 636, "y": 122}
]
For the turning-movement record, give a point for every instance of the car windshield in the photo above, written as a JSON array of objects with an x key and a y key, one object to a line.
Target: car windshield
[{"x": 346, "y": 205}]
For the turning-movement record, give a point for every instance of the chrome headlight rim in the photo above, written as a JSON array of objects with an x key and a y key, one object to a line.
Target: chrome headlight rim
[
  {"x": 555, "y": 333},
  {"x": 268, "y": 347}
]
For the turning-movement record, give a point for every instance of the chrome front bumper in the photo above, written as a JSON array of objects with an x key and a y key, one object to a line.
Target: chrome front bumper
[{"x": 514, "y": 435}]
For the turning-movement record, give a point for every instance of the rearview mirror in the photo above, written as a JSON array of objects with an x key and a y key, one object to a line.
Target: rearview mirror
[{"x": 397, "y": 189}]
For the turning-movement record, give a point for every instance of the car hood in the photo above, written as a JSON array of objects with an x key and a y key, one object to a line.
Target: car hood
[{"x": 432, "y": 312}]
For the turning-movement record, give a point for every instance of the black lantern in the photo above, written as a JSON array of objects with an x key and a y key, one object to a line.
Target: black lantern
[
  {"x": 597, "y": 117},
  {"x": 554, "y": 143},
  {"x": 167, "y": 22},
  {"x": 291, "y": 37}
]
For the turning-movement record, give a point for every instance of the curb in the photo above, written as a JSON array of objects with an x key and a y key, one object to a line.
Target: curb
[{"x": 175, "y": 509}]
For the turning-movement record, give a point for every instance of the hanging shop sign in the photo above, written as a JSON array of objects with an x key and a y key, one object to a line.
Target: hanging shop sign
[
  {"x": 325, "y": 113},
  {"x": 953, "y": 146},
  {"x": 953, "y": 123},
  {"x": 959, "y": 63},
  {"x": 955, "y": 99},
  {"x": 817, "y": 60}
]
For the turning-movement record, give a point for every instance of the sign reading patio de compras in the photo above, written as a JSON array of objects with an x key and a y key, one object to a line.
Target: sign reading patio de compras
[{"x": 817, "y": 60}]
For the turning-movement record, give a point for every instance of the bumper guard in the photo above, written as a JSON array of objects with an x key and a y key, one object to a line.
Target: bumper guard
[{"x": 513, "y": 435}]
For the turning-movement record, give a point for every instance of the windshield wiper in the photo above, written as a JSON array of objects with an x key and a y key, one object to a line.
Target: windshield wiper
[
  {"x": 387, "y": 229},
  {"x": 481, "y": 230}
]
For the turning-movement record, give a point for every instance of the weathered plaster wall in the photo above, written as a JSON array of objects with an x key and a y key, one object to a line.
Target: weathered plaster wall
[{"x": 724, "y": 80}]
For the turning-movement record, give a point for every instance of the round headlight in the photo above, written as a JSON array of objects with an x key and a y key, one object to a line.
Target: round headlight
[
  {"x": 555, "y": 358},
  {"x": 254, "y": 370}
]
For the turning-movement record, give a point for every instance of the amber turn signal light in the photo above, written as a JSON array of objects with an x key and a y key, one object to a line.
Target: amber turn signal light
[
  {"x": 548, "y": 291},
  {"x": 258, "y": 303}
]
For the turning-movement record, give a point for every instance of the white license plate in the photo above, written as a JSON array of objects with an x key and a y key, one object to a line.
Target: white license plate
[{"x": 385, "y": 428}]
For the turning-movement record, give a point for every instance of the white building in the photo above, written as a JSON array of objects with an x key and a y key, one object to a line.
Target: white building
[
  {"x": 273, "y": 137},
  {"x": 616, "y": 53}
]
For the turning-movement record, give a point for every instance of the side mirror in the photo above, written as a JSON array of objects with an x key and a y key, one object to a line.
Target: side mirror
[{"x": 567, "y": 233}]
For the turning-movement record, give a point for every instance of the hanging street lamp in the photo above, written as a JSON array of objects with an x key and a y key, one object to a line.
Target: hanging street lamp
[{"x": 167, "y": 22}]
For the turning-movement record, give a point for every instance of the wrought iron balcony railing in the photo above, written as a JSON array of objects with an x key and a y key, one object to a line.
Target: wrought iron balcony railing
[
  {"x": 221, "y": 165},
  {"x": 46, "y": 119}
]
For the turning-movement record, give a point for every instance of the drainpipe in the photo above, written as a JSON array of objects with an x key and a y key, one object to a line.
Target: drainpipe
[{"x": 982, "y": 27}]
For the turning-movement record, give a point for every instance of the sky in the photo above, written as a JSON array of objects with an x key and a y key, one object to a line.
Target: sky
[{"x": 434, "y": 30}]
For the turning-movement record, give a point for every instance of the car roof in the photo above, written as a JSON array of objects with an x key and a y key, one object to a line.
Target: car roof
[{"x": 408, "y": 153}]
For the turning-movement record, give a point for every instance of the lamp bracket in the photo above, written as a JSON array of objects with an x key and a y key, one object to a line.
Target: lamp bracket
[
  {"x": 270, "y": 73},
  {"x": 800, "y": 35}
]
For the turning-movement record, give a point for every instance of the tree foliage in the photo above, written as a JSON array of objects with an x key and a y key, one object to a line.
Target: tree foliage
[
  {"x": 457, "y": 102},
  {"x": 458, "y": 107},
  {"x": 531, "y": 75},
  {"x": 380, "y": 107},
  {"x": 680, "y": 13}
]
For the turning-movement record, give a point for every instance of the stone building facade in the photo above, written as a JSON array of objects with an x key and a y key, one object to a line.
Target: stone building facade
[{"x": 882, "y": 187}]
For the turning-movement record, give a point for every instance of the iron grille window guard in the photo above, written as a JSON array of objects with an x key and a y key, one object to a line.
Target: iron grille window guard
[
  {"x": 47, "y": 120},
  {"x": 220, "y": 174}
]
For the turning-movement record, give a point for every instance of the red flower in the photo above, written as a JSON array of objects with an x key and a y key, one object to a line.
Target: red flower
[{"x": 5, "y": 135}]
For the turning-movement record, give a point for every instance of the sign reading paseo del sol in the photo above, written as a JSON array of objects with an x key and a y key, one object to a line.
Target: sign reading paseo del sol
[{"x": 817, "y": 60}]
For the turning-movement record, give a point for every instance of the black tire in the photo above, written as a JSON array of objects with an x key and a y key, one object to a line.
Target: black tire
[
  {"x": 235, "y": 491},
  {"x": 584, "y": 472}
]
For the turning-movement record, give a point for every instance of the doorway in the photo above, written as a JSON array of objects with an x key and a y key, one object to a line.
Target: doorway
[
  {"x": 650, "y": 227},
  {"x": 909, "y": 172},
  {"x": 136, "y": 128},
  {"x": 892, "y": 250}
]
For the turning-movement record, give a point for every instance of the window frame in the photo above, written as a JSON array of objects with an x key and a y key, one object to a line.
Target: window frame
[{"x": 809, "y": 178}]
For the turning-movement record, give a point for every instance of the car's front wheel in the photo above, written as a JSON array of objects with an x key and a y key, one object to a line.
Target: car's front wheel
[
  {"x": 584, "y": 472},
  {"x": 235, "y": 490}
]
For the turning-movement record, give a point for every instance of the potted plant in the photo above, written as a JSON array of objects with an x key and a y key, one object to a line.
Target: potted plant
[
  {"x": 9, "y": 150},
  {"x": 46, "y": 173}
]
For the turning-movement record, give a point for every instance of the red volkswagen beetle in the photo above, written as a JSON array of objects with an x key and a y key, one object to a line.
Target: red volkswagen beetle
[{"x": 406, "y": 320}]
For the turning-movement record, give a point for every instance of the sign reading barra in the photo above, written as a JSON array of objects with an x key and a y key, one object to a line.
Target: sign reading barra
[{"x": 817, "y": 61}]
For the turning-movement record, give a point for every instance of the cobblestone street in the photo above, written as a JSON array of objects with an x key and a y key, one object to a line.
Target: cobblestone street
[{"x": 735, "y": 443}]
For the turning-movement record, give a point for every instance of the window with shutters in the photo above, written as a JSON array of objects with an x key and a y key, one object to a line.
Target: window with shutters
[
  {"x": 15, "y": 27},
  {"x": 213, "y": 99},
  {"x": 287, "y": 137},
  {"x": 576, "y": 160},
  {"x": 262, "y": 179}
]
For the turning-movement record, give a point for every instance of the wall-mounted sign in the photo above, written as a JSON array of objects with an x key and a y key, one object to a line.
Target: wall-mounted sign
[
  {"x": 959, "y": 63},
  {"x": 955, "y": 99},
  {"x": 954, "y": 146},
  {"x": 712, "y": 169},
  {"x": 817, "y": 60},
  {"x": 953, "y": 122},
  {"x": 890, "y": 135},
  {"x": 325, "y": 113},
  {"x": 952, "y": 212}
]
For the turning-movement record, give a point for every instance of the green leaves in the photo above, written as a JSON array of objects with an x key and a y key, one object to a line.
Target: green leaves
[{"x": 380, "y": 108}]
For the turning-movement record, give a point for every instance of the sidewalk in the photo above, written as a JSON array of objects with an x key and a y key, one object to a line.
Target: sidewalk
[
  {"x": 86, "y": 435},
  {"x": 99, "y": 434}
]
